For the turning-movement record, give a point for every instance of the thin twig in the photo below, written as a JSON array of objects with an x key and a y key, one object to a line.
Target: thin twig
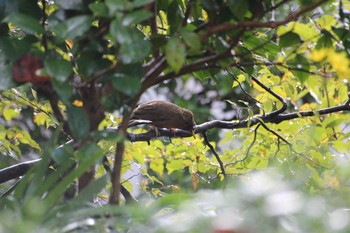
[
  {"x": 274, "y": 94},
  {"x": 248, "y": 149},
  {"x": 212, "y": 149},
  {"x": 275, "y": 133},
  {"x": 240, "y": 86}
]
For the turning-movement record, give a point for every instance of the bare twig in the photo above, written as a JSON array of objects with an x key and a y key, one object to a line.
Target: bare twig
[
  {"x": 212, "y": 149},
  {"x": 274, "y": 94},
  {"x": 275, "y": 133}
]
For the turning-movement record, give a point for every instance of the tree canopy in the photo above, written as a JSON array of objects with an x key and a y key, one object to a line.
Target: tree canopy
[{"x": 267, "y": 82}]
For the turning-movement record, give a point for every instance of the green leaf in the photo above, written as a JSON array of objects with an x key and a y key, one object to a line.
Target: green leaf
[
  {"x": 325, "y": 41},
  {"x": 175, "y": 53},
  {"x": 238, "y": 8},
  {"x": 71, "y": 4},
  {"x": 133, "y": 45},
  {"x": 261, "y": 46},
  {"x": 134, "y": 51},
  {"x": 136, "y": 17},
  {"x": 140, "y": 3},
  {"x": 119, "y": 32},
  {"x": 25, "y": 22},
  {"x": 72, "y": 28},
  {"x": 191, "y": 39},
  {"x": 129, "y": 85},
  {"x": 91, "y": 191},
  {"x": 175, "y": 165},
  {"x": 245, "y": 56},
  {"x": 88, "y": 155},
  {"x": 119, "y": 5},
  {"x": 174, "y": 15},
  {"x": 342, "y": 33},
  {"x": 99, "y": 9},
  {"x": 78, "y": 122},
  {"x": 11, "y": 113},
  {"x": 13, "y": 48},
  {"x": 5, "y": 75},
  {"x": 62, "y": 154},
  {"x": 27, "y": 139},
  {"x": 58, "y": 69},
  {"x": 64, "y": 90},
  {"x": 89, "y": 62},
  {"x": 289, "y": 39},
  {"x": 300, "y": 67}
]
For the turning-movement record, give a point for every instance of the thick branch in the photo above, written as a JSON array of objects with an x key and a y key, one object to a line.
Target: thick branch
[
  {"x": 114, "y": 198},
  {"x": 16, "y": 170},
  {"x": 268, "y": 118}
]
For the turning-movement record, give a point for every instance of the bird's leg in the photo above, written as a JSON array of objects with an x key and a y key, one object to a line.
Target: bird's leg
[
  {"x": 172, "y": 132},
  {"x": 193, "y": 134},
  {"x": 155, "y": 130}
]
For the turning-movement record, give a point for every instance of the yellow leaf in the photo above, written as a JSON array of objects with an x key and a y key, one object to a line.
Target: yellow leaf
[
  {"x": 18, "y": 136},
  {"x": 69, "y": 43},
  {"x": 40, "y": 118},
  {"x": 78, "y": 103}
]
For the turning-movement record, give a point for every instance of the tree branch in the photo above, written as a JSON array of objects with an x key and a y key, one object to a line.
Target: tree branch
[
  {"x": 225, "y": 27},
  {"x": 16, "y": 170},
  {"x": 268, "y": 118},
  {"x": 212, "y": 149}
]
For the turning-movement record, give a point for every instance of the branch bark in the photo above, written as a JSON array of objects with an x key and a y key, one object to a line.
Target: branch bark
[
  {"x": 268, "y": 118},
  {"x": 226, "y": 27}
]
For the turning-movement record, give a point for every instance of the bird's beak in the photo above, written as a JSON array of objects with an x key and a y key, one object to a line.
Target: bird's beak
[{"x": 193, "y": 134}]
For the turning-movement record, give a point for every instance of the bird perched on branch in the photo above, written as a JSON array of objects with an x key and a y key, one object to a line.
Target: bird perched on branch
[{"x": 162, "y": 114}]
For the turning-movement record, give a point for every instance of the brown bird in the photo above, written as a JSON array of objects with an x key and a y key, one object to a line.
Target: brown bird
[{"x": 163, "y": 114}]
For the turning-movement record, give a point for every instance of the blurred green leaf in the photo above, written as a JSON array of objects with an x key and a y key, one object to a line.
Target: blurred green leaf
[
  {"x": 300, "y": 67},
  {"x": 87, "y": 156},
  {"x": 174, "y": 15},
  {"x": 13, "y": 48},
  {"x": 289, "y": 39},
  {"x": 90, "y": 62},
  {"x": 72, "y": 27},
  {"x": 175, "y": 54},
  {"x": 238, "y": 8},
  {"x": 175, "y": 165},
  {"x": 136, "y": 17},
  {"x": 191, "y": 39},
  {"x": 129, "y": 85},
  {"x": 78, "y": 122},
  {"x": 91, "y": 191},
  {"x": 133, "y": 46},
  {"x": 326, "y": 40},
  {"x": 71, "y": 5},
  {"x": 261, "y": 46},
  {"x": 99, "y": 9},
  {"x": 135, "y": 51},
  {"x": 64, "y": 91},
  {"x": 25, "y": 22},
  {"x": 58, "y": 69}
]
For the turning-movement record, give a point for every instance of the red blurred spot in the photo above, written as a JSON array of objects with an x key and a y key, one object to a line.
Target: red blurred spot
[{"x": 26, "y": 69}]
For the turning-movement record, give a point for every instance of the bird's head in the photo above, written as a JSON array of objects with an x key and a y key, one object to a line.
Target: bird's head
[{"x": 189, "y": 119}]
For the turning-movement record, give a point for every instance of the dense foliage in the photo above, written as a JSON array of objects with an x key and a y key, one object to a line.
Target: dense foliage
[{"x": 266, "y": 80}]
